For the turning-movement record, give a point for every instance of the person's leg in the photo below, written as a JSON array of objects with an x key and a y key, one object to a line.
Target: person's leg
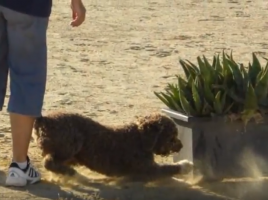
[
  {"x": 27, "y": 57},
  {"x": 3, "y": 59}
]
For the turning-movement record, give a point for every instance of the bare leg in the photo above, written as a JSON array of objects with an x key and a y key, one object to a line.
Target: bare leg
[{"x": 21, "y": 128}]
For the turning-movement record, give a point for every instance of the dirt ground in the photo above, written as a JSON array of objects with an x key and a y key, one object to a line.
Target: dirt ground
[{"x": 109, "y": 67}]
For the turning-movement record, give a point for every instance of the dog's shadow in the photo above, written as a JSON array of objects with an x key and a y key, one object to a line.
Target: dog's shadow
[
  {"x": 82, "y": 187},
  {"x": 143, "y": 188}
]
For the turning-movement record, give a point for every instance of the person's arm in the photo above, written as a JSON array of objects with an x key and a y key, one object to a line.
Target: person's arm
[{"x": 79, "y": 12}]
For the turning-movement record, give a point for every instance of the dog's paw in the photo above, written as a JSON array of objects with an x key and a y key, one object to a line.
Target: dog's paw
[{"x": 186, "y": 166}]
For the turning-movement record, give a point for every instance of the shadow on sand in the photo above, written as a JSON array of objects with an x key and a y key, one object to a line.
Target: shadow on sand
[
  {"x": 40, "y": 191},
  {"x": 82, "y": 188},
  {"x": 242, "y": 189}
]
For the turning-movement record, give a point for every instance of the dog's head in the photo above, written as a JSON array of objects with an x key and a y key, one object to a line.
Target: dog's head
[
  {"x": 49, "y": 122},
  {"x": 159, "y": 134}
]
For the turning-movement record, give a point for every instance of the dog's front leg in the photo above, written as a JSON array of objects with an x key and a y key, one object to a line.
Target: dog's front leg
[
  {"x": 57, "y": 167},
  {"x": 166, "y": 170},
  {"x": 180, "y": 168}
]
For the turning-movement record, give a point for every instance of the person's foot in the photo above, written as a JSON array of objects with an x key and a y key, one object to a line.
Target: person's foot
[{"x": 19, "y": 177}]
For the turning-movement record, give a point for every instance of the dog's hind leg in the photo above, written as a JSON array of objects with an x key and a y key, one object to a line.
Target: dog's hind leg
[{"x": 57, "y": 166}]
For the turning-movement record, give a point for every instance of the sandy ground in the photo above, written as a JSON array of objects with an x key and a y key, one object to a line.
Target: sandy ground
[{"x": 109, "y": 67}]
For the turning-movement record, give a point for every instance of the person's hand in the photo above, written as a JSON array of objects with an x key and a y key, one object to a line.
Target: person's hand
[{"x": 79, "y": 12}]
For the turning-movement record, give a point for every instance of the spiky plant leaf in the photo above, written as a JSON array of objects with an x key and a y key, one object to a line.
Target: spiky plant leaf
[
  {"x": 167, "y": 101},
  {"x": 261, "y": 88},
  {"x": 212, "y": 73},
  {"x": 174, "y": 91},
  {"x": 250, "y": 105},
  {"x": 223, "y": 87},
  {"x": 223, "y": 99},
  {"x": 224, "y": 59},
  {"x": 188, "y": 109},
  {"x": 218, "y": 66},
  {"x": 217, "y": 103},
  {"x": 199, "y": 86},
  {"x": 234, "y": 95},
  {"x": 204, "y": 71},
  {"x": 198, "y": 82},
  {"x": 214, "y": 62},
  {"x": 190, "y": 81},
  {"x": 190, "y": 69},
  {"x": 208, "y": 93},
  {"x": 236, "y": 72},
  {"x": 256, "y": 63},
  {"x": 266, "y": 66},
  {"x": 230, "y": 57},
  {"x": 181, "y": 82},
  {"x": 259, "y": 76},
  {"x": 245, "y": 78},
  {"x": 172, "y": 102},
  {"x": 207, "y": 64},
  {"x": 175, "y": 103},
  {"x": 227, "y": 73},
  {"x": 196, "y": 98},
  {"x": 254, "y": 69},
  {"x": 251, "y": 102},
  {"x": 193, "y": 72},
  {"x": 194, "y": 67},
  {"x": 175, "y": 95},
  {"x": 185, "y": 69}
]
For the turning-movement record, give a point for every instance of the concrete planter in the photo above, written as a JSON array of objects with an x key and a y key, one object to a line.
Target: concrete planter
[{"x": 221, "y": 149}]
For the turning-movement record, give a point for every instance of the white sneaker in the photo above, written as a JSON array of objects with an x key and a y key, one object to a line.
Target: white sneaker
[{"x": 21, "y": 177}]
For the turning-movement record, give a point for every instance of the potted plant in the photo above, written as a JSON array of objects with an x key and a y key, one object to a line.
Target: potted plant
[{"x": 220, "y": 111}]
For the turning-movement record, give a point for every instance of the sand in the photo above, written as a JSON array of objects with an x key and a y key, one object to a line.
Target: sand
[{"x": 109, "y": 67}]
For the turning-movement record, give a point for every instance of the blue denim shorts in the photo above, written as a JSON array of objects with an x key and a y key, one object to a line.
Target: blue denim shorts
[{"x": 23, "y": 56}]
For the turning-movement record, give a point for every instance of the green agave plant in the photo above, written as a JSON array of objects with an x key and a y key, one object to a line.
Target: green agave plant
[{"x": 219, "y": 88}]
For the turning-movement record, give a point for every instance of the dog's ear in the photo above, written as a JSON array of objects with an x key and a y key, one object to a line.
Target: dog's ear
[
  {"x": 149, "y": 131},
  {"x": 149, "y": 140}
]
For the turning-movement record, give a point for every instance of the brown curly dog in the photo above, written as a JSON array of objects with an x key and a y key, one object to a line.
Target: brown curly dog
[{"x": 68, "y": 139}]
